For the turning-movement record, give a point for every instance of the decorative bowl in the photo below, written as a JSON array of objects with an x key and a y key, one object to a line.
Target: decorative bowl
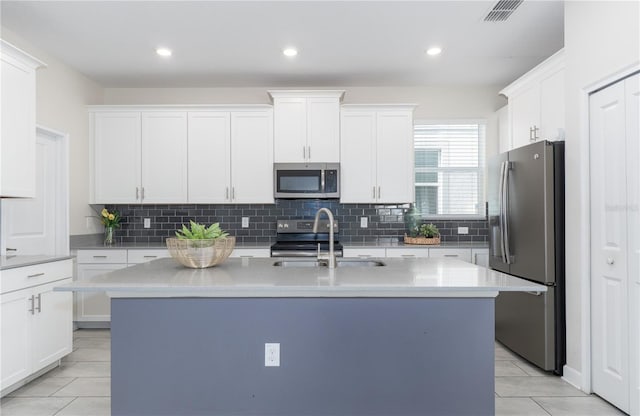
[{"x": 200, "y": 254}]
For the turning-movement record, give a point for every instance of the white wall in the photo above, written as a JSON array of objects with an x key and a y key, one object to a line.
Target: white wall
[
  {"x": 601, "y": 39},
  {"x": 61, "y": 96}
]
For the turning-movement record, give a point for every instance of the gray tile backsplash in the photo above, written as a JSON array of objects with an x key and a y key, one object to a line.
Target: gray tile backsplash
[{"x": 385, "y": 221}]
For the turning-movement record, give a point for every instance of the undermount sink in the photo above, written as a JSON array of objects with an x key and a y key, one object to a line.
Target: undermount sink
[{"x": 339, "y": 263}]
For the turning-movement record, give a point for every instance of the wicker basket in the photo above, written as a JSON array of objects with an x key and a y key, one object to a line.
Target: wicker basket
[
  {"x": 200, "y": 254},
  {"x": 421, "y": 240}
]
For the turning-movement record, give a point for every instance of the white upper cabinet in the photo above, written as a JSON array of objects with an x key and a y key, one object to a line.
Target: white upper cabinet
[
  {"x": 18, "y": 114},
  {"x": 306, "y": 126},
  {"x": 139, "y": 156},
  {"x": 376, "y": 154},
  {"x": 536, "y": 104}
]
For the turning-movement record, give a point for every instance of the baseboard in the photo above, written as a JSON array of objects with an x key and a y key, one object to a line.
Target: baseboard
[
  {"x": 92, "y": 325},
  {"x": 572, "y": 376}
]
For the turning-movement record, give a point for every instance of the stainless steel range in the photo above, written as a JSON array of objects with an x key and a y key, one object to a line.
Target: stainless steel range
[{"x": 295, "y": 238}]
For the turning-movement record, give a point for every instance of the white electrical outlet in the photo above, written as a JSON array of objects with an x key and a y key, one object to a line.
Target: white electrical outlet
[
  {"x": 463, "y": 230},
  {"x": 272, "y": 354},
  {"x": 245, "y": 222},
  {"x": 147, "y": 223},
  {"x": 364, "y": 222}
]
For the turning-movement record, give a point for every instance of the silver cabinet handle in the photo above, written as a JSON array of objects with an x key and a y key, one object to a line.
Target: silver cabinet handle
[
  {"x": 233, "y": 193},
  {"x": 36, "y": 275},
  {"x": 304, "y": 152},
  {"x": 99, "y": 257},
  {"x": 11, "y": 249},
  {"x": 32, "y": 309},
  {"x": 142, "y": 194},
  {"x": 451, "y": 255},
  {"x": 246, "y": 257},
  {"x": 374, "y": 192},
  {"x": 39, "y": 307},
  {"x": 309, "y": 153},
  {"x": 378, "y": 191},
  {"x": 150, "y": 257},
  {"x": 407, "y": 255},
  {"x": 226, "y": 193},
  {"x": 137, "y": 193}
]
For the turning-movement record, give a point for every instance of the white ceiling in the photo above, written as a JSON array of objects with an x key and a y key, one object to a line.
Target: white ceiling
[{"x": 239, "y": 43}]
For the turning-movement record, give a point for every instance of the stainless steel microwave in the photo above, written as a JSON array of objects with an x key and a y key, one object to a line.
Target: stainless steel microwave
[{"x": 306, "y": 180}]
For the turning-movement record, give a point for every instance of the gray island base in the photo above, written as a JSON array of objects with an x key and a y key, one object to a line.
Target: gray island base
[
  {"x": 415, "y": 337},
  {"x": 410, "y": 356}
]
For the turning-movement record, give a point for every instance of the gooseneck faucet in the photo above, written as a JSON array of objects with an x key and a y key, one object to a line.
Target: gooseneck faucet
[{"x": 331, "y": 259}]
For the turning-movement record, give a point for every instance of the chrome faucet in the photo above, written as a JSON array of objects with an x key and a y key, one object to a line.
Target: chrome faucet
[{"x": 330, "y": 257}]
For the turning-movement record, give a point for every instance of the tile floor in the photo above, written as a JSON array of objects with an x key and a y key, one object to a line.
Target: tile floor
[{"x": 80, "y": 387}]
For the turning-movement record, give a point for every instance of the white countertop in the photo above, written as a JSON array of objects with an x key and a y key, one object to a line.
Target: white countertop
[{"x": 258, "y": 277}]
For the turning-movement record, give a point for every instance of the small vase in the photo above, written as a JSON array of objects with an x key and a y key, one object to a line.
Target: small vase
[{"x": 108, "y": 235}]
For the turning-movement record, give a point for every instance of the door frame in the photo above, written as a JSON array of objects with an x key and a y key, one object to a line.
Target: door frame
[
  {"x": 62, "y": 190},
  {"x": 583, "y": 378}
]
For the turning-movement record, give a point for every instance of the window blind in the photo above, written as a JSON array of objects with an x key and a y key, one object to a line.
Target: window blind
[{"x": 449, "y": 170}]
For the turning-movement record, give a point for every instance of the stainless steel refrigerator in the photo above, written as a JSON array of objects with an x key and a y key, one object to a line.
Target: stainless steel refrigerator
[{"x": 526, "y": 235}]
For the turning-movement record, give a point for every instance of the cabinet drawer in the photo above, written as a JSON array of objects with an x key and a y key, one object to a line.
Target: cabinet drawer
[
  {"x": 29, "y": 276},
  {"x": 407, "y": 252},
  {"x": 143, "y": 256},
  {"x": 364, "y": 252},
  {"x": 251, "y": 252},
  {"x": 463, "y": 254},
  {"x": 102, "y": 256}
]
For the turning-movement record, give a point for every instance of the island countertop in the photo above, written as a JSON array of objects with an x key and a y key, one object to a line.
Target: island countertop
[{"x": 258, "y": 277}]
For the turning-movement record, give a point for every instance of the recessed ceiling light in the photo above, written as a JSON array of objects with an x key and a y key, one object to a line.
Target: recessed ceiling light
[
  {"x": 166, "y": 52},
  {"x": 434, "y": 51},
  {"x": 290, "y": 52}
]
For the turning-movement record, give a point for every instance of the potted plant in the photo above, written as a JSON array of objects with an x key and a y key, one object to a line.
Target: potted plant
[
  {"x": 423, "y": 234},
  {"x": 111, "y": 221},
  {"x": 200, "y": 246}
]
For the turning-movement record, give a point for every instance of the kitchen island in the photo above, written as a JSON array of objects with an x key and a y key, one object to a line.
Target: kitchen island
[{"x": 411, "y": 337}]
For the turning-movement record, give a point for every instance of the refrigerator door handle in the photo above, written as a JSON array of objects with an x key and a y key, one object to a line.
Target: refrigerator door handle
[
  {"x": 501, "y": 209},
  {"x": 505, "y": 204}
]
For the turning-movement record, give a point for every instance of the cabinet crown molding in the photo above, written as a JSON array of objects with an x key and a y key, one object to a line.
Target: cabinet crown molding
[
  {"x": 8, "y": 49},
  {"x": 379, "y": 107},
  {"x": 179, "y": 107},
  {"x": 547, "y": 67},
  {"x": 306, "y": 94}
]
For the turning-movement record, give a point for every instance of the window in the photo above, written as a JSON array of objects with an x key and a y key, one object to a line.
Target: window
[{"x": 449, "y": 169}]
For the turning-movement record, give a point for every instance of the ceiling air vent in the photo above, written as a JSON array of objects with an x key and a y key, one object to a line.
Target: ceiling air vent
[{"x": 502, "y": 10}]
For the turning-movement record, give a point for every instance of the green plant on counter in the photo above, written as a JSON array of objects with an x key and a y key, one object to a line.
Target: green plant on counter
[
  {"x": 425, "y": 230},
  {"x": 201, "y": 232}
]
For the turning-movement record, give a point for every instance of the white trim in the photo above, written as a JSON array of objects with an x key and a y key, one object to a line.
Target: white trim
[
  {"x": 551, "y": 65},
  {"x": 179, "y": 107},
  {"x": 572, "y": 376},
  {"x": 585, "y": 224},
  {"x": 339, "y": 94},
  {"x": 17, "y": 53}
]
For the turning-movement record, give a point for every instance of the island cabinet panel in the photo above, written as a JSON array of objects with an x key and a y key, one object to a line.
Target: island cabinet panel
[{"x": 338, "y": 356}]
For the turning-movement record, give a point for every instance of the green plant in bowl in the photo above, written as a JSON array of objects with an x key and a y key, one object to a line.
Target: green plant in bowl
[
  {"x": 425, "y": 230},
  {"x": 199, "y": 246},
  {"x": 201, "y": 232}
]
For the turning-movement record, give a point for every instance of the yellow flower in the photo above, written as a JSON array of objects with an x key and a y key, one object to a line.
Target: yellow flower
[
  {"x": 105, "y": 213},
  {"x": 111, "y": 217}
]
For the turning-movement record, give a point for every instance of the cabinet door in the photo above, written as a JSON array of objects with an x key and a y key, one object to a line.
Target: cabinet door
[
  {"x": 251, "y": 157},
  {"x": 552, "y": 107},
  {"x": 18, "y": 139},
  {"x": 463, "y": 254},
  {"x": 94, "y": 307},
  {"x": 395, "y": 157},
  {"x": 290, "y": 139},
  {"x": 323, "y": 130},
  {"x": 51, "y": 325},
  {"x": 16, "y": 316},
  {"x": 525, "y": 114},
  {"x": 358, "y": 157},
  {"x": 116, "y": 157},
  {"x": 209, "y": 157},
  {"x": 164, "y": 157},
  {"x": 480, "y": 256}
]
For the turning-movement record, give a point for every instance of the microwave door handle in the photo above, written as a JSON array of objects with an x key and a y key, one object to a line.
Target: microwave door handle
[{"x": 322, "y": 184}]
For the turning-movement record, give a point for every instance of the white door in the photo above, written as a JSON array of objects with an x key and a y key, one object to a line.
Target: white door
[
  {"x": 15, "y": 313},
  {"x": 52, "y": 325},
  {"x": 323, "y": 130},
  {"x": 251, "y": 157},
  {"x": 94, "y": 306},
  {"x": 609, "y": 271},
  {"x": 164, "y": 157},
  {"x": 632, "y": 102},
  {"x": 209, "y": 149},
  {"x": 29, "y": 225},
  {"x": 395, "y": 157},
  {"x": 290, "y": 127},
  {"x": 358, "y": 157},
  {"x": 524, "y": 109}
]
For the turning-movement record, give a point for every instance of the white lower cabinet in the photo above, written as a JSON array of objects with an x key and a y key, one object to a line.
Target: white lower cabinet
[
  {"x": 463, "y": 254},
  {"x": 408, "y": 252},
  {"x": 251, "y": 252},
  {"x": 364, "y": 252},
  {"x": 36, "y": 321},
  {"x": 480, "y": 256}
]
